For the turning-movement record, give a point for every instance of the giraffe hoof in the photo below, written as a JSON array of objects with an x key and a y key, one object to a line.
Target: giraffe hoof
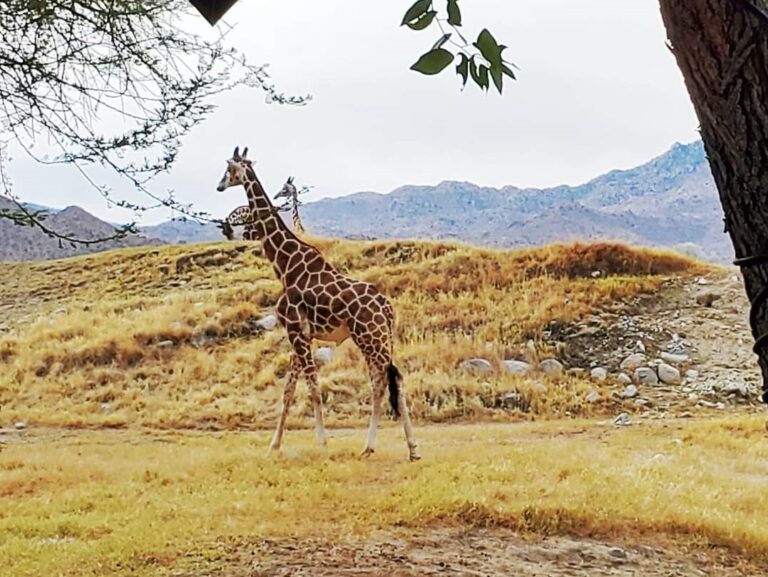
[
  {"x": 367, "y": 452},
  {"x": 413, "y": 457}
]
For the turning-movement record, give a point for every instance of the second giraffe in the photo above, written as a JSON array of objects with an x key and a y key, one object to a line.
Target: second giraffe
[{"x": 318, "y": 302}]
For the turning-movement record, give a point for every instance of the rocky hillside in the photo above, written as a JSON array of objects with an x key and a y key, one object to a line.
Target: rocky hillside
[
  {"x": 670, "y": 201},
  {"x": 19, "y": 243}
]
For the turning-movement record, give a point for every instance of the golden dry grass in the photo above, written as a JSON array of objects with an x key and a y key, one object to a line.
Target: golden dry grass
[
  {"x": 166, "y": 337},
  {"x": 132, "y": 503}
]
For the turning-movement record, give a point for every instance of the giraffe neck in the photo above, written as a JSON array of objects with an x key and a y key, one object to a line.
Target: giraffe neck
[
  {"x": 297, "y": 226},
  {"x": 265, "y": 224}
]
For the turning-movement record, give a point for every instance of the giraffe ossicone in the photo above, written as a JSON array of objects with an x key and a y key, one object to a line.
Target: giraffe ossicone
[{"x": 320, "y": 303}]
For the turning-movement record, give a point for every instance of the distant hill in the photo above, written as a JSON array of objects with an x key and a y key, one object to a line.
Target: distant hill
[
  {"x": 670, "y": 201},
  {"x": 18, "y": 243}
]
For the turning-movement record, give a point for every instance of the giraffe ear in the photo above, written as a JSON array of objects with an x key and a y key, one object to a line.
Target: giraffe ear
[
  {"x": 245, "y": 152},
  {"x": 290, "y": 180},
  {"x": 236, "y": 154}
]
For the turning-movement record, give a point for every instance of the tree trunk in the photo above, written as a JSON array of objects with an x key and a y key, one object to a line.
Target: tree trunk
[{"x": 721, "y": 47}]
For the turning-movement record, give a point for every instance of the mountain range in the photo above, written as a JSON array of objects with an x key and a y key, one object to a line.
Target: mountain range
[{"x": 670, "y": 201}]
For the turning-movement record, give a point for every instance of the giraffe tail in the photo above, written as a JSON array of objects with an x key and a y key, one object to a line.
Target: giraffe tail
[{"x": 393, "y": 381}]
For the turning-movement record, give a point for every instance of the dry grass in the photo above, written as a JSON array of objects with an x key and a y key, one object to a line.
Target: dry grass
[
  {"x": 166, "y": 337},
  {"x": 131, "y": 503}
]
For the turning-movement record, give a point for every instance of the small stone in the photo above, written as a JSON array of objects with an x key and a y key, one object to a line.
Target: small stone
[
  {"x": 324, "y": 355},
  {"x": 165, "y": 344},
  {"x": 20, "y": 425},
  {"x": 691, "y": 374},
  {"x": 673, "y": 358},
  {"x": 640, "y": 346},
  {"x": 646, "y": 376},
  {"x": 540, "y": 389},
  {"x": 707, "y": 299},
  {"x": 517, "y": 367},
  {"x": 737, "y": 389},
  {"x": 551, "y": 367},
  {"x": 633, "y": 361},
  {"x": 61, "y": 311},
  {"x": 618, "y": 553},
  {"x": 622, "y": 420},
  {"x": 599, "y": 373},
  {"x": 592, "y": 397},
  {"x": 669, "y": 375},
  {"x": 624, "y": 379},
  {"x": 630, "y": 392},
  {"x": 477, "y": 365},
  {"x": 267, "y": 323}
]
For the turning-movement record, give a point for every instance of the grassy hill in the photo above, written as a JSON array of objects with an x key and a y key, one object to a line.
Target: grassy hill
[{"x": 167, "y": 337}]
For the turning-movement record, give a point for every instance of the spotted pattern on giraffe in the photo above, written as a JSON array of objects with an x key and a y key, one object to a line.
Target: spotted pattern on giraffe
[{"x": 320, "y": 303}]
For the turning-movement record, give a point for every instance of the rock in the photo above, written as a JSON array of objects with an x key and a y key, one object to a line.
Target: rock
[
  {"x": 592, "y": 397},
  {"x": 61, "y": 311},
  {"x": 624, "y": 379},
  {"x": 618, "y": 553},
  {"x": 477, "y": 366},
  {"x": 165, "y": 344},
  {"x": 673, "y": 358},
  {"x": 267, "y": 323},
  {"x": 640, "y": 346},
  {"x": 645, "y": 376},
  {"x": 738, "y": 389},
  {"x": 20, "y": 425},
  {"x": 669, "y": 375},
  {"x": 707, "y": 299},
  {"x": 622, "y": 420},
  {"x": 599, "y": 373},
  {"x": 551, "y": 367},
  {"x": 540, "y": 389},
  {"x": 324, "y": 355},
  {"x": 630, "y": 392},
  {"x": 517, "y": 367},
  {"x": 633, "y": 361},
  {"x": 691, "y": 374}
]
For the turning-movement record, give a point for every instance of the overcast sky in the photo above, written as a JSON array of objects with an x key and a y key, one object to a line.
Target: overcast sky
[{"x": 597, "y": 90}]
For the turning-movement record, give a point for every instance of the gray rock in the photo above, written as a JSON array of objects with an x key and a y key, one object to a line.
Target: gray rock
[
  {"x": 268, "y": 323},
  {"x": 622, "y": 420},
  {"x": 646, "y": 376},
  {"x": 674, "y": 359},
  {"x": 477, "y": 366},
  {"x": 669, "y": 375},
  {"x": 599, "y": 373},
  {"x": 165, "y": 344},
  {"x": 20, "y": 425},
  {"x": 630, "y": 392},
  {"x": 633, "y": 361},
  {"x": 624, "y": 379},
  {"x": 61, "y": 311},
  {"x": 738, "y": 389},
  {"x": 517, "y": 367},
  {"x": 551, "y": 367},
  {"x": 592, "y": 397},
  {"x": 324, "y": 355}
]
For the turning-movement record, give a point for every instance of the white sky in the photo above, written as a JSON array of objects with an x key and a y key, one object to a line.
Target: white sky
[{"x": 597, "y": 90}]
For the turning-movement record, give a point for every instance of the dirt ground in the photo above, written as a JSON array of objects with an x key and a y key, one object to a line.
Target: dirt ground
[{"x": 470, "y": 553}]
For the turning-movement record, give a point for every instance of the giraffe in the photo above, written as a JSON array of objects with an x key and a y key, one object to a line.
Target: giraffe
[
  {"x": 318, "y": 302},
  {"x": 289, "y": 191},
  {"x": 241, "y": 216}
]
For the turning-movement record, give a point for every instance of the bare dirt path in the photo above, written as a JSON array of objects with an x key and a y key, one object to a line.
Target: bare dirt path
[{"x": 471, "y": 553}]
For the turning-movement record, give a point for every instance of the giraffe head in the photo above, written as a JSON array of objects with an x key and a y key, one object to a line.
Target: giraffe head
[
  {"x": 237, "y": 167},
  {"x": 288, "y": 190}
]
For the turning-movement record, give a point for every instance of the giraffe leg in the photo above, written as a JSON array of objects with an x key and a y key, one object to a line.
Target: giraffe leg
[
  {"x": 402, "y": 406},
  {"x": 378, "y": 385},
  {"x": 317, "y": 405},
  {"x": 288, "y": 394}
]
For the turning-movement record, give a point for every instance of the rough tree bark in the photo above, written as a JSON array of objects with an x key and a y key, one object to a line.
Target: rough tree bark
[{"x": 721, "y": 47}]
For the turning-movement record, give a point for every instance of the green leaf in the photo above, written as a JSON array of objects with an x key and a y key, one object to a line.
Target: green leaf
[
  {"x": 488, "y": 47},
  {"x": 425, "y": 20},
  {"x": 508, "y": 71},
  {"x": 416, "y": 11},
  {"x": 463, "y": 69},
  {"x": 496, "y": 75},
  {"x": 454, "y": 13},
  {"x": 473, "y": 71},
  {"x": 433, "y": 61},
  {"x": 483, "y": 74}
]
